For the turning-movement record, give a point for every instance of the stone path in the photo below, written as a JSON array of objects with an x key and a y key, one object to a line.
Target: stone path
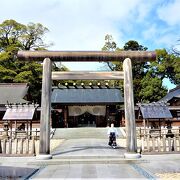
[
  {"x": 89, "y": 158},
  {"x": 84, "y": 171},
  {"x": 85, "y": 158},
  {"x": 86, "y": 147}
]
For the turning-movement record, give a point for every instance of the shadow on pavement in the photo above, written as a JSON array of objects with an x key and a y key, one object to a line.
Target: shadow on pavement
[{"x": 83, "y": 148}]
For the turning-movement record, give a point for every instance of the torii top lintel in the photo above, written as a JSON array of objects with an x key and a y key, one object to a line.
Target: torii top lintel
[{"x": 88, "y": 56}]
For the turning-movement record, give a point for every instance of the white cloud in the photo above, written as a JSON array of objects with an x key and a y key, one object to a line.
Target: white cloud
[
  {"x": 160, "y": 37},
  {"x": 83, "y": 26},
  {"x": 75, "y": 24},
  {"x": 170, "y": 13},
  {"x": 151, "y": 32},
  {"x": 168, "y": 40},
  {"x": 144, "y": 9}
]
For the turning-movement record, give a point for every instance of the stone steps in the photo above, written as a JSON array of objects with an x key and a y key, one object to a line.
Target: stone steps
[
  {"x": 88, "y": 157},
  {"x": 88, "y": 160},
  {"x": 82, "y": 132}
]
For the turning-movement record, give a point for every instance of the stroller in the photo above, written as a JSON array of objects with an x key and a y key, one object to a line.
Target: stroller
[{"x": 112, "y": 140}]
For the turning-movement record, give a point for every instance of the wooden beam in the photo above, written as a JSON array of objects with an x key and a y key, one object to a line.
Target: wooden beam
[
  {"x": 87, "y": 75},
  {"x": 88, "y": 56}
]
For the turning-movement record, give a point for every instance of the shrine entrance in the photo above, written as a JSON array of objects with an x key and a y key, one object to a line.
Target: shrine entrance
[
  {"x": 88, "y": 56},
  {"x": 86, "y": 120}
]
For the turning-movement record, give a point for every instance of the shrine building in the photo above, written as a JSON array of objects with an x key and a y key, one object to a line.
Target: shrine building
[{"x": 85, "y": 106}]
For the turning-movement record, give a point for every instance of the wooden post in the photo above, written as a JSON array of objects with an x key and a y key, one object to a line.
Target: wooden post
[
  {"x": 10, "y": 130},
  {"x": 0, "y": 147},
  {"x": 142, "y": 144},
  {"x": 27, "y": 146},
  {"x": 107, "y": 116},
  {"x": 16, "y": 146},
  {"x": 44, "y": 149},
  {"x": 123, "y": 119},
  {"x": 129, "y": 109},
  {"x": 21, "y": 146},
  {"x": 10, "y": 146},
  {"x": 175, "y": 143},
  {"x": 15, "y": 125},
  {"x": 148, "y": 143},
  {"x": 27, "y": 129},
  {"x": 33, "y": 147},
  {"x": 153, "y": 144},
  {"x": 4, "y": 146},
  {"x": 30, "y": 135},
  {"x": 164, "y": 143},
  {"x": 65, "y": 117},
  {"x": 169, "y": 144},
  {"x": 159, "y": 144},
  {"x": 144, "y": 123}
]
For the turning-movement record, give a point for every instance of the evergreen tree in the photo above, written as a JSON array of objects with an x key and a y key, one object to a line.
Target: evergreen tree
[
  {"x": 147, "y": 76},
  {"x": 13, "y": 37}
]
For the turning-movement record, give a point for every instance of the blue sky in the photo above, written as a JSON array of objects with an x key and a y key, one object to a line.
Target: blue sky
[{"x": 83, "y": 24}]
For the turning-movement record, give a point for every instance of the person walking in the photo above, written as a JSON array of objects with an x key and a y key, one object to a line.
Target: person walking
[{"x": 112, "y": 133}]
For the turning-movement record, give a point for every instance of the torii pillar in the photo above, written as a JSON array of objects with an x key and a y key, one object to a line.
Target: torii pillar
[
  {"x": 44, "y": 148},
  {"x": 131, "y": 141}
]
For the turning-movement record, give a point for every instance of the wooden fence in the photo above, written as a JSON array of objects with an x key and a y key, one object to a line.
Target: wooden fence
[
  {"x": 18, "y": 143},
  {"x": 141, "y": 132},
  {"x": 15, "y": 147},
  {"x": 15, "y": 134},
  {"x": 160, "y": 144}
]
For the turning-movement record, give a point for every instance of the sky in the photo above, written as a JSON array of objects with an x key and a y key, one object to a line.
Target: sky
[{"x": 83, "y": 24}]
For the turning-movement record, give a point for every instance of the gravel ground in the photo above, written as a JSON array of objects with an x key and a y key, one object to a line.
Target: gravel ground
[
  {"x": 53, "y": 144},
  {"x": 169, "y": 176}
]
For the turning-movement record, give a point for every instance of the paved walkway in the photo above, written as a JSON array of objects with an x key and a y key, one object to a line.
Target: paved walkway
[
  {"x": 86, "y": 147},
  {"x": 91, "y": 158},
  {"x": 87, "y": 158}
]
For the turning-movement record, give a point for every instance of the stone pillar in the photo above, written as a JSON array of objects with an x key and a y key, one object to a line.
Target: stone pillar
[
  {"x": 44, "y": 149},
  {"x": 129, "y": 111}
]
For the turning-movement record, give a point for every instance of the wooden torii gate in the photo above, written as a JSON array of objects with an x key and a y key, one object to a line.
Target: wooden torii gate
[{"x": 87, "y": 56}]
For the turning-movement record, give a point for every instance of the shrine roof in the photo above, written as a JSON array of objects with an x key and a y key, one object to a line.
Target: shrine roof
[
  {"x": 155, "y": 111},
  {"x": 20, "y": 112},
  {"x": 13, "y": 93},
  {"x": 87, "y": 95}
]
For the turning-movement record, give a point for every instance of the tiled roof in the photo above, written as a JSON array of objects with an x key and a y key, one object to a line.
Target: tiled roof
[
  {"x": 12, "y": 93},
  {"x": 87, "y": 95},
  {"x": 155, "y": 111},
  {"x": 174, "y": 93},
  {"x": 20, "y": 112}
]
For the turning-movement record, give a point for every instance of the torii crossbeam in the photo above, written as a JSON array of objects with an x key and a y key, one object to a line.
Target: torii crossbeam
[{"x": 88, "y": 56}]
